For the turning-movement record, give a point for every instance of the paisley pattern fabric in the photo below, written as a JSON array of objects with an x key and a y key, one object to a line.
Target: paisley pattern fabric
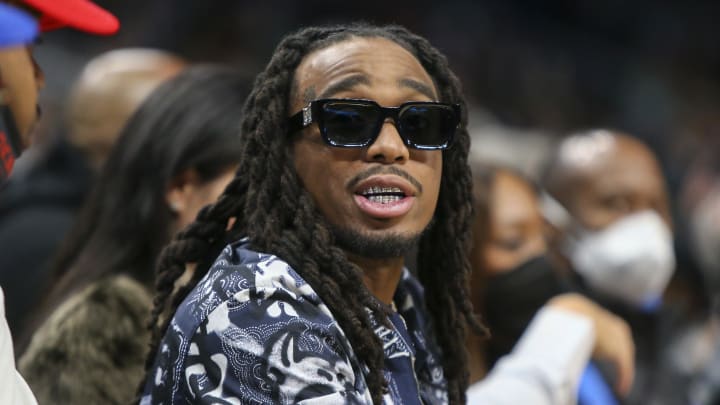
[{"x": 254, "y": 332}]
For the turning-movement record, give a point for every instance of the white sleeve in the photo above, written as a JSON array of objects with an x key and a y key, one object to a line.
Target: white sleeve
[
  {"x": 545, "y": 366},
  {"x": 13, "y": 389}
]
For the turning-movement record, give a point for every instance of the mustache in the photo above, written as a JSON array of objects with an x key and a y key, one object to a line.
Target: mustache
[{"x": 384, "y": 170}]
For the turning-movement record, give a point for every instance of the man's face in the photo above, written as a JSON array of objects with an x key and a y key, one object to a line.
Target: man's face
[
  {"x": 625, "y": 181},
  {"x": 20, "y": 84},
  {"x": 339, "y": 179},
  {"x": 20, "y": 81}
]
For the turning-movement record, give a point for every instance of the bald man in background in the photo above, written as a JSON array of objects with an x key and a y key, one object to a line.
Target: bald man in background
[
  {"x": 617, "y": 231},
  {"x": 40, "y": 200},
  {"x": 108, "y": 91},
  {"x": 611, "y": 211}
]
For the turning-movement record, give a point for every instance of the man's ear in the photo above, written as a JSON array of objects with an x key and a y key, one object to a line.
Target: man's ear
[{"x": 179, "y": 190}]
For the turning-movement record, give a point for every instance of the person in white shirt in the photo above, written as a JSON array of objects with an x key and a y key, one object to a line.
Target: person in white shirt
[
  {"x": 546, "y": 365},
  {"x": 513, "y": 278},
  {"x": 13, "y": 389}
]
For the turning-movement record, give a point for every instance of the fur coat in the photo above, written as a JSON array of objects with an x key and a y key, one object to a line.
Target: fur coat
[{"x": 91, "y": 350}]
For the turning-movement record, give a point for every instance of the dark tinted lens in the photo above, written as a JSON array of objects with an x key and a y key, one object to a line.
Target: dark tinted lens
[
  {"x": 428, "y": 125},
  {"x": 349, "y": 123}
]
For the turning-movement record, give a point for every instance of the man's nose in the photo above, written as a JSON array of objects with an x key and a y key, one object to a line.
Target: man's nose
[{"x": 388, "y": 146}]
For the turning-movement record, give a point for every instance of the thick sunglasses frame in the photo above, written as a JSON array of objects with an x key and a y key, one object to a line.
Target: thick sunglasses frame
[{"x": 313, "y": 113}]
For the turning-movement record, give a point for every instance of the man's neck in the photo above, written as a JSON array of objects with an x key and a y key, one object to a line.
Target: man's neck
[{"x": 381, "y": 276}]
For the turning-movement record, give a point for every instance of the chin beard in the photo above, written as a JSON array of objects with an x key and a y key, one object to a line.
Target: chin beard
[{"x": 387, "y": 246}]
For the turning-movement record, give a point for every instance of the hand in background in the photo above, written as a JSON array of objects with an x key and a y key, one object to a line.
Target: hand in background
[{"x": 613, "y": 338}]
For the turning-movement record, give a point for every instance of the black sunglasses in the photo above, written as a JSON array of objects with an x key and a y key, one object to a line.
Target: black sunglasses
[{"x": 353, "y": 123}]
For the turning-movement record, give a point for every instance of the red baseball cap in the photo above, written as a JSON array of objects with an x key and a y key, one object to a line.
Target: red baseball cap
[{"x": 82, "y": 15}]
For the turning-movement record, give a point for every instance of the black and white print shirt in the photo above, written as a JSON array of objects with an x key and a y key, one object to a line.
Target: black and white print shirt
[{"x": 254, "y": 332}]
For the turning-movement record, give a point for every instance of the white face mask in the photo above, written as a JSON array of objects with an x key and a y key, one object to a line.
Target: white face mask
[{"x": 631, "y": 260}]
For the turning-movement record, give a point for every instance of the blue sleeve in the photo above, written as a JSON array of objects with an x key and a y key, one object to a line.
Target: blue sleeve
[{"x": 271, "y": 346}]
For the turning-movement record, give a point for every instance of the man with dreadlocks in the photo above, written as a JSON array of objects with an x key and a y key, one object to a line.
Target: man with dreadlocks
[{"x": 356, "y": 151}]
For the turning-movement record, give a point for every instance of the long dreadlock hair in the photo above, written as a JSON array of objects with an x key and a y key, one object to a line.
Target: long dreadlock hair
[{"x": 271, "y": 207}]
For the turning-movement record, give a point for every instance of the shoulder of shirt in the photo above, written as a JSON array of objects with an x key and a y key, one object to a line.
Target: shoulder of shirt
[{"x": 238, "y": 275}]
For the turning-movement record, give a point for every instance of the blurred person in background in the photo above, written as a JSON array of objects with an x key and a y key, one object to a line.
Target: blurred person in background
[
  {"x": 695, "y": 353},
  {"x": 110, "y": 88},
  {"x": 705, "y": 239},
  {"x": 514, "y": 275},
  {"x": 22, "y": 78},
  {"x": 174, "y": 156},
  {"x": 610, "y": 209},
  {"x": 20, "y": 81},
  {"x": 694, "y": 220},
  {"x": 49, "y": 189},
  {"x": 16, "y": 30},
  {"x": 16, "y": 77}
]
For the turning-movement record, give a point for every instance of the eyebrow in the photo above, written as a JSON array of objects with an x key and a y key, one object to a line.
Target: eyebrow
[
  {"x": 345, "y": 85},
  {"x": 422, "y": 88},
  {"x": 352, "y": 81}
]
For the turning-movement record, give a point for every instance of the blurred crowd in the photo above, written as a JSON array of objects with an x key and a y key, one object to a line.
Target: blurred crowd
[{"x": 595, "y": 142}]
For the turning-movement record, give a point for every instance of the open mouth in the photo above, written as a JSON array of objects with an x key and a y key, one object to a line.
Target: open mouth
[
  {"x": 383, "y": 195},
  {"x": 384, "y": 201}
]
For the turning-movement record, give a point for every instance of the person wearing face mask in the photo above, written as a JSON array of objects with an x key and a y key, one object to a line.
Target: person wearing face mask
[
  {"x": 513, "y": 275},
  {"x": 608, "y": 202},
  {"x": 616, "y": 223},
  {"x": 696, "y": 352}
]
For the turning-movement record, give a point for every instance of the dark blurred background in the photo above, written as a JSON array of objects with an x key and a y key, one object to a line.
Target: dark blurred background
[
  {"x": 646, "y": 67},
  {"x": 532, "y": 71}
]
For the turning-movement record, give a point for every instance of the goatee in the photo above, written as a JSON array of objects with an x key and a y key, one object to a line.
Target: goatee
[{"x": 386, "y": 246}]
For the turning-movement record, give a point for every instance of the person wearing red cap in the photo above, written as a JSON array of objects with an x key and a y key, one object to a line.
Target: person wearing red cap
[
  {"x": 16, "y": 30},
  {"x": 20, "y": 81},
  {"x": 21, "y": 78},
  {"x": 82, "y": 15}
]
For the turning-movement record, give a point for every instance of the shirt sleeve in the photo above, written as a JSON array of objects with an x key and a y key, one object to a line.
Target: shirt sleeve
[
  {"x": 13, "y": 389},
  {"x": 545, "y": 366},
  {"x": 279, "y": 349}
]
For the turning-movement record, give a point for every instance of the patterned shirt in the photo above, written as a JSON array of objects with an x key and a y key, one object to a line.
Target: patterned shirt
[{"x": 254, "y": 332}]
